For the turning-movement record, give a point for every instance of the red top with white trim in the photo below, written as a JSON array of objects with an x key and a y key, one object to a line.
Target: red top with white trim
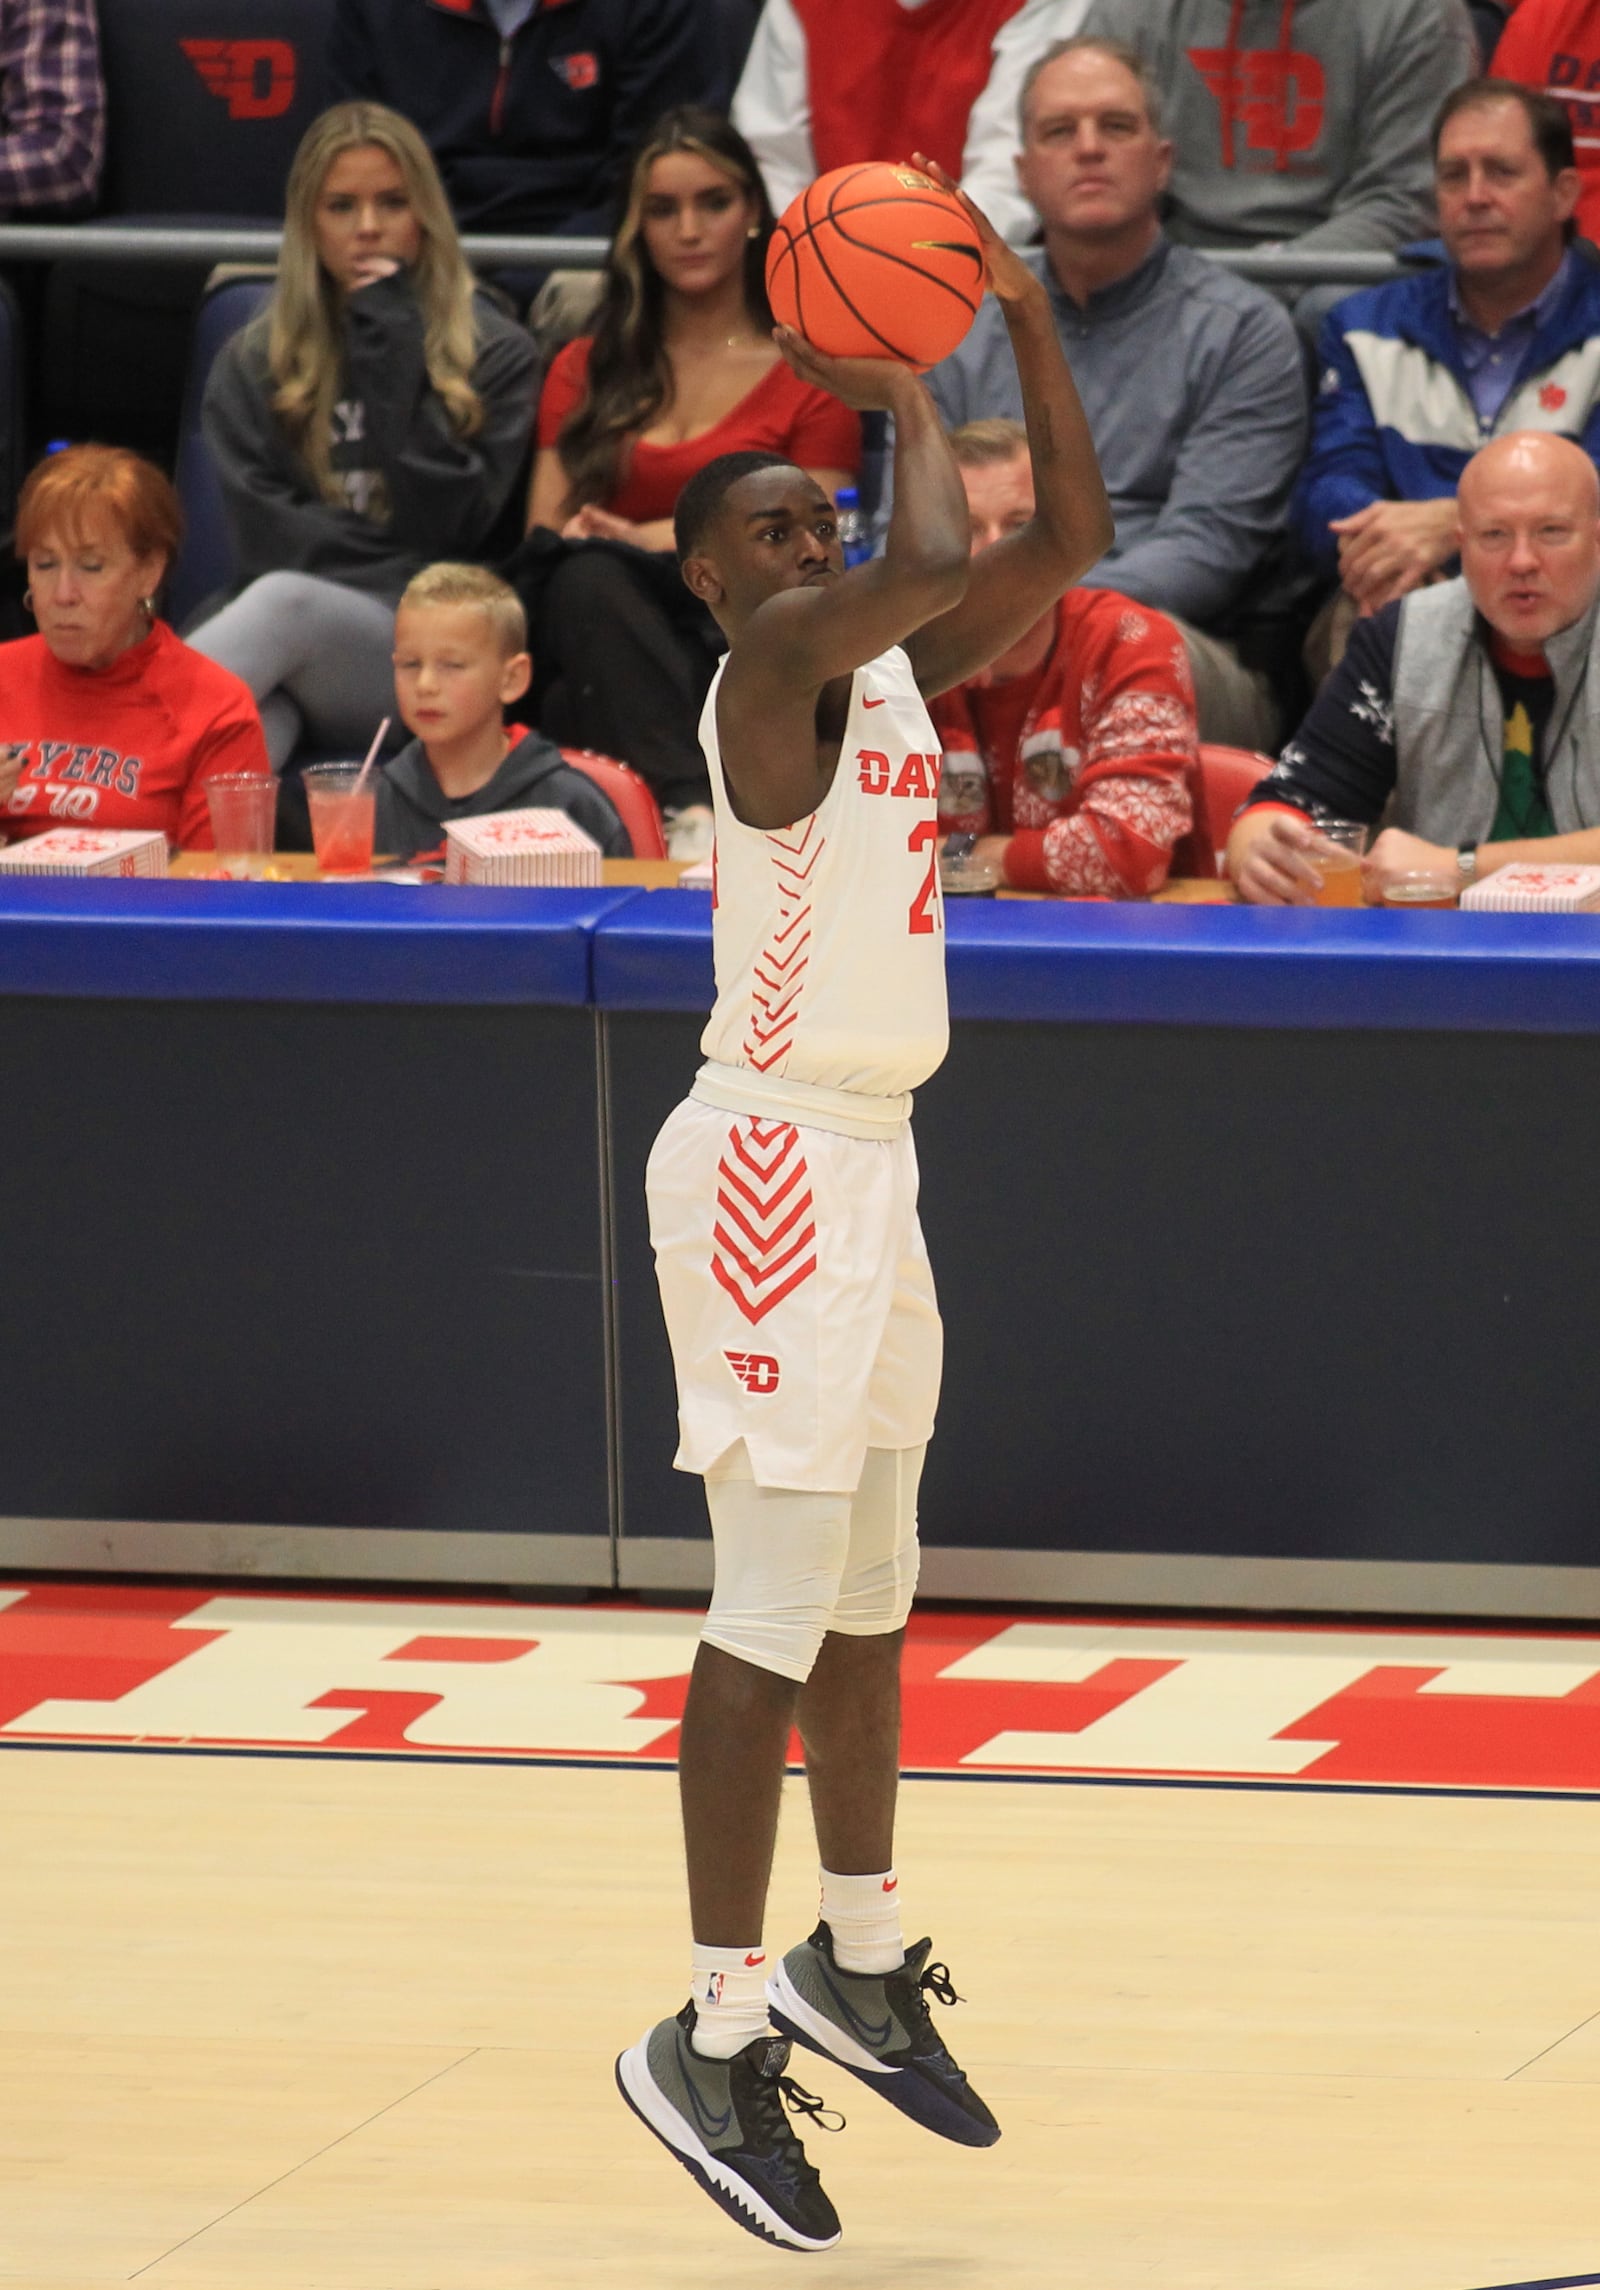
[
  {"x": 902, "y": 80},
  {"x": 131, "y": 745},
  {"x": 828, "y": 935},
  {"x": 1085, "y": 762}
]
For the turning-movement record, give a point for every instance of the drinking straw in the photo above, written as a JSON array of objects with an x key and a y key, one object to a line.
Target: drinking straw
[{"x": 372, "y": 753}]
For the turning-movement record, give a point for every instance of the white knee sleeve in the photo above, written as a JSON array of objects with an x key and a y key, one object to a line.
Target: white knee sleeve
[
  {"x": 880, "y": 1571},
  {"x": 779, "y": 1553}
]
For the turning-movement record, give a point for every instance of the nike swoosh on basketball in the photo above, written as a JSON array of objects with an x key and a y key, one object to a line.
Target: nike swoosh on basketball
[
  {"x": 712, "y": 2125},
  {"x": 866, "y": 2029}
]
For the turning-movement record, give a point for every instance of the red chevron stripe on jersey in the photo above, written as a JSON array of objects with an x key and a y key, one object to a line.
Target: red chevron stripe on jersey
[
  {"x": 765, "y": 1232},
  {"x": 780, "y": 969}
]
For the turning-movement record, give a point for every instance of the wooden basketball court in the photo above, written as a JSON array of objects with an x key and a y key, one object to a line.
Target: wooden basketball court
[{"x": 337, "y": 2010}]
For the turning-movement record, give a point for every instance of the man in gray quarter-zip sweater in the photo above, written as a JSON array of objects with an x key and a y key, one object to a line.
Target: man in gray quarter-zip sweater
[
  {"x": 1301, "y": 123},
  {"x": 1192, "y": 379}
]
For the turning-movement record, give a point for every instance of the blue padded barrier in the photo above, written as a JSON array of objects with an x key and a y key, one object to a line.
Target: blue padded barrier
[
  {"x": 298, "y": 942},
  {"x": 658, "y": 957},
  {"x": 1092, "y": 964}
]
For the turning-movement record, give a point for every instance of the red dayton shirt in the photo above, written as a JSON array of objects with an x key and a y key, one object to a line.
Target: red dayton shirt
[
  {"x": 1085, "y": 762},
  {"x": 131, "y": 745},
  {"x": 1554, "y": 46},
  {"x": 782, "y": 414}
]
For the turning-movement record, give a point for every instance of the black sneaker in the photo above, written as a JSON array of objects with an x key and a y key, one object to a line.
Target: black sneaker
[
  {"x": 724, "y": 2120},
  {"x": 877, "y": 2025}
]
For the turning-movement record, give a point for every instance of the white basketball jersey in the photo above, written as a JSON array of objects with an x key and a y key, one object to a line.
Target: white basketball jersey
[{"x": 829, "y": 935}]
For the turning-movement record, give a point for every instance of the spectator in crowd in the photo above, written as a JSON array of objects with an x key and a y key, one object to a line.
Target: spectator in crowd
[
  {"x": 1402, "y": 729},
  {"x": 1192, "y": 379},
  {"x": 376, "y": 416},
  {"x": 1554, "y": 46},
  {"x": 107, "y": 719},
  {"x": 460, "y": 660},
  {"x": 681, "y": 367},
  {"x": 1418, "y": 374},
  {"x": 531, "y": 107},
  {"x": 1302, "y": 124},
  {"x": 52, "y": 106},
  {"x": 1071, "y": 756},
  {"x": 938, "y": 76}
]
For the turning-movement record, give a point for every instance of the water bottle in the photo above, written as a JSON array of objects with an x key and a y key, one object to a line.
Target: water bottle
[{"x": 855, "y": 532}]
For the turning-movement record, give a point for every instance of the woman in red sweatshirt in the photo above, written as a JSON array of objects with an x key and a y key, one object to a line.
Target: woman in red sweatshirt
[{"x": 107, "y": 719}]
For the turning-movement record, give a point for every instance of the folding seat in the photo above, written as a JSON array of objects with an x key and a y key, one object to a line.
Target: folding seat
[{"x": 205, "y": 562}]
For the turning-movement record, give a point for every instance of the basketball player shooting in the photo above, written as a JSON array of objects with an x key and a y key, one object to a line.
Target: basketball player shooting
[{"x": 794, "y": 1280}]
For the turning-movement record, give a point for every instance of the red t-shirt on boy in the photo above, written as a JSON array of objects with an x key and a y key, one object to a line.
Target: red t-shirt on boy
[
  {"x": 782, "y": 414},
  {"x": 131, "y": 745}
]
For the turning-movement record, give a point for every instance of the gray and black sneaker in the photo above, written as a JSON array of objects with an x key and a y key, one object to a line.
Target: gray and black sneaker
[
  {"x": 877, "y": 2024},
  {"x": 724, "y": 2120}
]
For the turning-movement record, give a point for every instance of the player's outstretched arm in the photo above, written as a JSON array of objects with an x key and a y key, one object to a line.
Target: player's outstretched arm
[
  {"x": 1018, "y": 580},
  {"x": 806, "y": 636}
]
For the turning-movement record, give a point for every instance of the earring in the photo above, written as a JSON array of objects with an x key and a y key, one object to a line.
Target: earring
[
  {"x": 754, "y": 232},
  {"x": 27, "y": 602},
  {"x": 147, "y": 605}
]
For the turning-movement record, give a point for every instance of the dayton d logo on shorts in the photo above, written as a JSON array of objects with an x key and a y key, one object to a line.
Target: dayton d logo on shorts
[{"x": 755, "y": 1370}]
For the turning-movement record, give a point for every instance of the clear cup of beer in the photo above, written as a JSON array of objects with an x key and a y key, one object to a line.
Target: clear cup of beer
[
  {"x": 1422, "y": 887},
  {"x": 1338, "y": 861}
]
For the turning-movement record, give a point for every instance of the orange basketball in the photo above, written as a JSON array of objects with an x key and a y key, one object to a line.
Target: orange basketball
[{"x": 875, "y": 261}]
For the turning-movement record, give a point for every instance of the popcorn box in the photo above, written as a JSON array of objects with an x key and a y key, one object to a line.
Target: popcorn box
[
  {"x": 520, "y": 847},
  {"x": 1536, "y": 890},
  {"x": 88, "y": 851}
]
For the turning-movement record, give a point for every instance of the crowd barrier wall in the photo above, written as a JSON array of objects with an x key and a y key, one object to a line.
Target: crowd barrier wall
[{"x": 1261, "y": 1240}]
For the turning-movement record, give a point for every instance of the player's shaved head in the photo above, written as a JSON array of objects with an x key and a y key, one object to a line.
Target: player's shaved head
[
  {"x": 700, "y": 502},
  {"x": 1530, "y": 534}
]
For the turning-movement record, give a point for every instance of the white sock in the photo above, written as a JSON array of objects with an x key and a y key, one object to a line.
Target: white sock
[
  {"x": 729, "y": 1987},
  {"x": 863, "y": 1914}
]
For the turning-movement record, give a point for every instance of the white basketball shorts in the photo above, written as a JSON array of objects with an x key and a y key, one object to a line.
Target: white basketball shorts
[{"x": 798, "y": 1295}]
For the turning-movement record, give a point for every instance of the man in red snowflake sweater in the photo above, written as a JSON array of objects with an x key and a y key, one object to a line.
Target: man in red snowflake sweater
[{"x": 1072, "y": 755}]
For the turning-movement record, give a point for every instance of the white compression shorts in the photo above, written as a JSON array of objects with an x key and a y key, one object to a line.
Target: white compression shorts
[
  {"x": 797, "y": 1293},
  {"x": 792, "y": 1566}
]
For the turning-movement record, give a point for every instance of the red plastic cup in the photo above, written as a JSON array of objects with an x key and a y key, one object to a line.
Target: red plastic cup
[{"x": 342, "y": 822}]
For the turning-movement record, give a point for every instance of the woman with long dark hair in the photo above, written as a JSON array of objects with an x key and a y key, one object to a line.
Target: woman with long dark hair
[{"x": 681, "y": 366}]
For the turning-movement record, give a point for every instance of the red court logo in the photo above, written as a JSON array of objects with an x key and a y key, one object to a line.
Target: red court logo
[
  {"x": 755, "y": 1370},
  {"x": 254, "y": 78},
  {"x": 580, "y": 71}
]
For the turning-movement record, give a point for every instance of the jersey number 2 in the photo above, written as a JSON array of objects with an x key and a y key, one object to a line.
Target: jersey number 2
[{"x": 925, "y": 836}]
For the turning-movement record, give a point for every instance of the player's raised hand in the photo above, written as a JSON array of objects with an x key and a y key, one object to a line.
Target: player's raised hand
[
  {"x": 866, "y": 385},
  {"x": 1010, "y": 279}
]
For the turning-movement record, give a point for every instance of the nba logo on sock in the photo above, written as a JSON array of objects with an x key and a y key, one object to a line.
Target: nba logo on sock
[
  {"x": 714, "y": 1980},
  {"x": 755, "y": 1371}
]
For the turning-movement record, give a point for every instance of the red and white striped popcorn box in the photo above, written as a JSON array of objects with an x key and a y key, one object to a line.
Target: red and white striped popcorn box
[
  {"x": 88, "y": 851},
  {"x": 544, "y": 847},
  {"x": 1552, "y": 889}
]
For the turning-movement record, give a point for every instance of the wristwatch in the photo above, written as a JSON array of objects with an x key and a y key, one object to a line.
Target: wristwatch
[{"x": 1467, "y": 864}]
